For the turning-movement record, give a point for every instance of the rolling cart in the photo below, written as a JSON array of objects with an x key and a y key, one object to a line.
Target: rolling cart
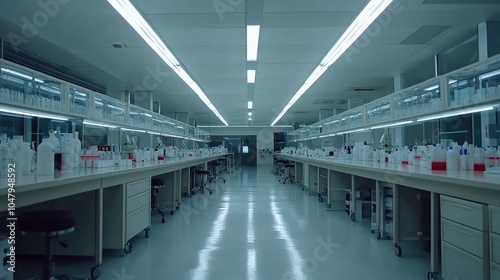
[
  {"x": 323, "y": 184},
  {"x": 361, "y": 199}
]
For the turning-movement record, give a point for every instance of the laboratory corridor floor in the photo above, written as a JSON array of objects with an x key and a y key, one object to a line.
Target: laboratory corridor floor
[{"x": 253, "y": 227}]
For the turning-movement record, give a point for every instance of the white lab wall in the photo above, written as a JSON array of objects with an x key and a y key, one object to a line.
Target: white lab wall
[{"x": 265, "y": 138}]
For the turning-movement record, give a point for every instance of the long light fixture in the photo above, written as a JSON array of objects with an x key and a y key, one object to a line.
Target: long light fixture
[
  {"x": 458, "y": 113},
  {"x": 99, "y": 124},
  {"x": 251, "y": 76},
  {"x": 253, "y": 32},
  {"x": 367, "y": 16},
  {"x": 141, "y": 26},
  {"x": 24, "y": 112},
  {"x": 21, "y": 75},
  {"x": 352, "y": 131},
  {"x": 250, "y": 114},
  {"x": 391, "y": 124},
  {"x": 250, "y": 105},
  {"x": 133, "y": 130},
  {"x": 489, "y": 75}
]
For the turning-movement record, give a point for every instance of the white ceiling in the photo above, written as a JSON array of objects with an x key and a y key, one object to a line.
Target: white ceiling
[{"x": 211, "y": 44}]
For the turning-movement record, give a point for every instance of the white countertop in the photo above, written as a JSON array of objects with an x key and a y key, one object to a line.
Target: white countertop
[
  {"x": 29, "y": 182},
  {"x": 469, "y": 178}
]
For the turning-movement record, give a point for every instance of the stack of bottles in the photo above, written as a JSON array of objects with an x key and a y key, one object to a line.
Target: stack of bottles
[{"x": 15, "y": 151}]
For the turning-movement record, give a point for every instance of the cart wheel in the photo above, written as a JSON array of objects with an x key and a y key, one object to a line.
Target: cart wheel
[
  {"x": 95, "y": 272},
  {"x": 210, "y": 192},
  {"x": 163, "y": 220},
  {"x": 431, "y": 275},
  {"x": 379, "y": 235},
  {"x": 127, "y": 248},
  {"x": 178, "y": 207},
  {"x": 224, "y": 181},
  {"x": 172, "y": 212},
  {"x": 328, "y": 205},
  {"x": 284, "y": 182},
  {"x": 397, "y": 251},
  {"x": 353, "y": 217},
  {"x": 320, "y": 199},
  {"x": 146, "y": 232}
]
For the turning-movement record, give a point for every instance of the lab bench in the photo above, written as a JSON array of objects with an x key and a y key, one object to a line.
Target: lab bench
[
  {"x": 411, "y": 204},
  {"x": 111, "y": 205}
]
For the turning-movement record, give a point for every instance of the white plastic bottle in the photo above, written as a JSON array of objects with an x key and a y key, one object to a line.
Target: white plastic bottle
[
  {"x": 27, "y": 158},
  {"x": 452, "y": 160},
  {"x": 464, "y": 160},
  {"x": 45, "y": 157},
  {"x": 77, "y": 151}
]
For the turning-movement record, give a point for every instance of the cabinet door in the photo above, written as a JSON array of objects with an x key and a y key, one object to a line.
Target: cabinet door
[
  {"x": 460, "y": 265},
  {"x": 464, "y": 212}
]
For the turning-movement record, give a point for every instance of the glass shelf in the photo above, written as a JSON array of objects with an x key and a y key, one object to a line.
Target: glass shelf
[
  {"x": 107, "y": 109},
  {"x": 378, "y": 111},
  {"x": 351, "y": 119},
  {"x": 476, "y": 84},
  {"x": 22, "y": 87},
  {"x": 418, "y": 100},
  {"x": 79, "y": 100}
]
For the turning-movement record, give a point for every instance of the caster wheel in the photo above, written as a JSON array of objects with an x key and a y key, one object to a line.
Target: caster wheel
[
  {"x": 178, "y": 207},
  {"x": 431, "y": 275},
  {"x": 205, "y": 184},
  {"x": 378, "y": 235},
  {"x": 328, "y": 205},
  {"x": 95, "y": 272},
  {"x": 302, "y": 188},
  {"x": 163, "y": 220},
  {"x": 128, "y": 248},
  {"x": 224, "y": 181},
  {"x": 172, "y": 212},
  {"x": 397, "y": 251},
  {"x": 210, "y": 193},
  {"x": 284, "y": 183},
  {"x": 320, "y": 199},
  {"x": 353, "y": 217},
  {"x": 146, "y": 233}
]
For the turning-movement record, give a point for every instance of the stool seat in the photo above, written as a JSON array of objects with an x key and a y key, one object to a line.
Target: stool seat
[{"x": 46, "y": 221}]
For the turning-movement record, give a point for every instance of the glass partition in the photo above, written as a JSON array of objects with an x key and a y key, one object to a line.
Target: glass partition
[
  {"x": 378, "y": 111},
  {"x": 79, "y": 100},
  {"x": 474, "y": 85},
  {"x": 419, "y": 100},
  {"x": 108, "y": 109}
]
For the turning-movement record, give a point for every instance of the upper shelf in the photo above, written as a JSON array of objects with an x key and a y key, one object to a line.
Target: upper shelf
[
  {"x": 22, "y": 88},
  {"x": 476, "y": 84}
]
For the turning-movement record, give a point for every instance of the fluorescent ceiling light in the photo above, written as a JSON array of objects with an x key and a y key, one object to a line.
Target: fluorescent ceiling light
[
  {"x": 249, "y": 113},
  {"x": 251, "y": 76},
  {"x": 21, "y": 75},
  {"x": 489, "y": 75},
  {"x": 24, "y": 112},
  {"x": 250, "y": 104},
  {"x": 141, "y": 26},
  {"x": 133, "y": 130},
  {"x": 391, "y": 124},
  {"x": 458, "y": 113},
  {"x": 93, "y": 123},
  {"x": 352, "y": 131},
  {"x": 252, "y": 42},
  {"x": 367, "y": 16}
]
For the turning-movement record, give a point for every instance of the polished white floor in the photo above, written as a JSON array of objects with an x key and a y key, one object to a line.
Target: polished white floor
[{"x": 253, "y": 227}]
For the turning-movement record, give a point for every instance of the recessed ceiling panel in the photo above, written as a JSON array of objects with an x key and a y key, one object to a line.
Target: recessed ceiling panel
[{"x": 424, "y": 35}]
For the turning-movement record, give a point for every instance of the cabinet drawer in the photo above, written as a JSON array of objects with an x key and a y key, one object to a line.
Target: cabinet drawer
[
  {"x": 465, "y": 212},
  {"x": 458, "y": 264},
  {"x": 495, "y": 219},
  {"x": 137, "y": 221},
  {"x": 136, "y": 187},
  {"x": 495, "y": 248},
  {"x": 137, "y": 201},
  {"x": 495, "y": 271},
  {"x": 465, "y": 238}
]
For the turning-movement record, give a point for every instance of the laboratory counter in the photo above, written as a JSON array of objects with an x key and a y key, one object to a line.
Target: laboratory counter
[{"x": 476, "y": 186}]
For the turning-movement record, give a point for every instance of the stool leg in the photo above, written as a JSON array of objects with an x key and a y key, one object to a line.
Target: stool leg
[{"x": 49, "y": 267}]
